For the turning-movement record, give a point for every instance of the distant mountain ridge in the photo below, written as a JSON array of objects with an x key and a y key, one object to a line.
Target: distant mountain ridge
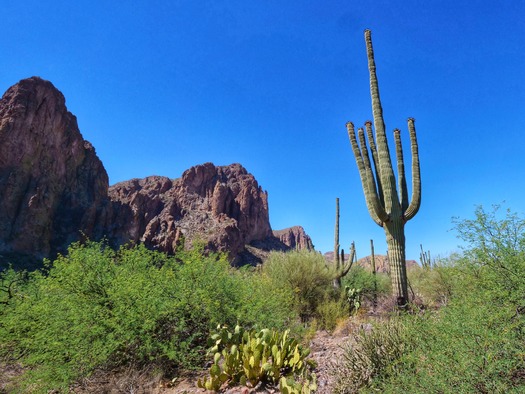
[
  {"x": 54, "y": 190},
  {"x": 381, "y": 261}
]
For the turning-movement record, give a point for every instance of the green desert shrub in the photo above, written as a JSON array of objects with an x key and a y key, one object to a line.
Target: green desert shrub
[
  {"x": 330, "y": 312},
  {"x": 306, "y": 274},
  {"x": 494, "y": 255},
  {"x": 475, "y": 343},
  {"x": 100, "y": 308},
  {"x": 433, "y": 287},
  {"x": 361, "y": 278},
  {"x": 372, "y": 354},
  {"x": 265, "y": 305}
]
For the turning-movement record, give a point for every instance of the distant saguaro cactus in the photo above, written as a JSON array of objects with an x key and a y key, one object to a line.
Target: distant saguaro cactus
[
  {"x": 341, "y": 269},
  {"x": 387, "y": 208},
  {"x": 336, "y": 234}
]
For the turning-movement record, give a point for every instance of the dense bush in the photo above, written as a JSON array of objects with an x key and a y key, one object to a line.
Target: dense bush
[
  {"x": 474, "y": 344},
  {"x": 306, "y": 274},
  {"x": 432, "y": 287},
  {"x": 99, "y": 308},
  {"x": 372, "y": 354},
  {"x": 361, "y": 278}
]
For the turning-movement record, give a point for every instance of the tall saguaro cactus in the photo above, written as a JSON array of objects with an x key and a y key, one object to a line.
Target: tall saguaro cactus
[{"x": 387, "y": 204}]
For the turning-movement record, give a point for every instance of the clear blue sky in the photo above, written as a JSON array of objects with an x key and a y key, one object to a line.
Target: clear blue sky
[{"x": 160, "y": 86}]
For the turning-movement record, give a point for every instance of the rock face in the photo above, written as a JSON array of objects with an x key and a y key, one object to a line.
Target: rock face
[
  {"x": 52, "y": 183},
  {"x": 294, "y": 237},
  {"x": 54, "y": 190},
  {"x": 224, "y": 207}
]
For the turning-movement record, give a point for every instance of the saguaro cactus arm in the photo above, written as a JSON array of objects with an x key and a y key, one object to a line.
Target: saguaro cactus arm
[
  {"x": 387, "y": 178},
  {"x": 375, "y": 208},
  {"x": 415, "y": 202},
  {"x": 345, "y": 267},
  {"x": 373, "y": 150},
  {"x": 402, "y": 181}
]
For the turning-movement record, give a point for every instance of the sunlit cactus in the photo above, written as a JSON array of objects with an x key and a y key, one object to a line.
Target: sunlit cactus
[
  {"x": 387, "y": 203},
  {"x": 341, "y": 268},
  {"x": 336, "y": 235}
]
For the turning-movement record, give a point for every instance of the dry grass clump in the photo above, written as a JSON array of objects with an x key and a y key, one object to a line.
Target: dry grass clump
[{"x": 370, "y": 352}]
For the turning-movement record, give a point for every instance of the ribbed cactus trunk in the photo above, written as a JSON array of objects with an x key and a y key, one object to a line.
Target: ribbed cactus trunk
[
  {"x": 395, "y": 240},
  {"x": 387, "y": 203}
]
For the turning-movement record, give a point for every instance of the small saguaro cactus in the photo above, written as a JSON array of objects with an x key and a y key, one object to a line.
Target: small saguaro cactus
[
  {"x": 388, "y": 206},
  {"x": 340, "y": 267},
  {"x": 424, "y": 258},
  {"x": 336, "y": 233},
  {"x": 344, "y": 267}
]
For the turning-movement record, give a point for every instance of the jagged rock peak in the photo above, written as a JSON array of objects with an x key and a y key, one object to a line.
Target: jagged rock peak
[
  {"x": 52, "y": 184},
  {"x": 294, "y": 237},
  {"x": 223, "y": 206},
  {"x": 54, "y": 190}
]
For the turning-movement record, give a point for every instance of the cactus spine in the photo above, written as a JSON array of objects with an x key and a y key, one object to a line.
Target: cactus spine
[{"x": 388, "y": 206}]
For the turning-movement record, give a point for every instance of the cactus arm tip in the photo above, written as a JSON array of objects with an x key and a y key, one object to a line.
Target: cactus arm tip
[
  {"x": 415, "y": 202},
  {"x": 402, "y": 182}
]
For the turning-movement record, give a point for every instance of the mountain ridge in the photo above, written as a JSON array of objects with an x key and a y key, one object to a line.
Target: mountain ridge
[{"x": 54, "y": 190}]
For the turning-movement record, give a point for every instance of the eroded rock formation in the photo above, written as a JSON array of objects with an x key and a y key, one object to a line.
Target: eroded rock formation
[
  {"x": 54, "y": 190},
  {"x": 224, "y": 207},
  {"x": 51, "y": 181},
  {"x": 294, "y": 237}
]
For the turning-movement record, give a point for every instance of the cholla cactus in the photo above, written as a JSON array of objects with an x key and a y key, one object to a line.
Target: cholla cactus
[{"x": 388, "y": 205}]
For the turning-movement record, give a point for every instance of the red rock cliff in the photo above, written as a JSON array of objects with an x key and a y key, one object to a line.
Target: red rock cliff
[
  {"x": 224, "y": 207},
  {"x": 52, "y": 183},
  {"x": 54, "y": 190}
]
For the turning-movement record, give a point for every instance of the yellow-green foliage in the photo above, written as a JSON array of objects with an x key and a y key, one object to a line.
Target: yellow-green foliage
[
  {"x": 432, "y": 287},
  {"x": 100, "y": 308},
  {"x": 474, "y": 343},
  {"x": 248, "y": 357},
  {"x": 304, "y": 273}
]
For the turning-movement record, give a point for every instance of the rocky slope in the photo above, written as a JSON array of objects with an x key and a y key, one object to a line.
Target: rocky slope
[
  {"x": 54, "y": 190},
  {"x": 52, "y": 183},
  {"x": 295, "y": 238},
  {"x": 224, "y": 207}
]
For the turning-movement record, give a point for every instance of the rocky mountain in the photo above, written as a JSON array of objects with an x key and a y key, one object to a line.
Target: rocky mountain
[
  {"x": 54, "y": 190},
  {"x": 224, "y": 207},
  {"x": 52, "y": 183},
  {"x": 294, "y": 237}
]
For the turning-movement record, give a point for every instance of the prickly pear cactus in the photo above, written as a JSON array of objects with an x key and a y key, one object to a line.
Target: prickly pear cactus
[{"x": 251, "y": 357}]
